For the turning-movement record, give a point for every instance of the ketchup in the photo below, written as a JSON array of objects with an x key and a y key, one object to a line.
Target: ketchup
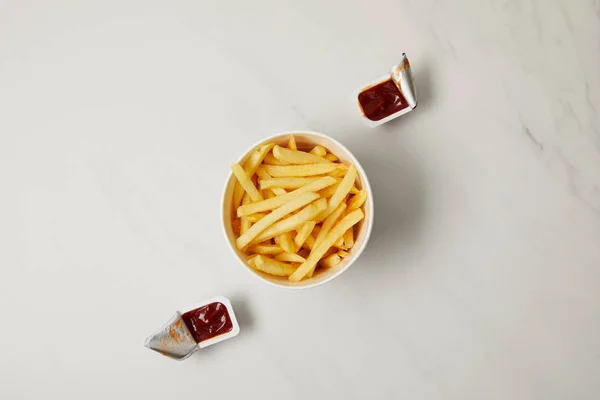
[
  {"x": 381, "y": 100},
  {"x": 208, "y": 321}
]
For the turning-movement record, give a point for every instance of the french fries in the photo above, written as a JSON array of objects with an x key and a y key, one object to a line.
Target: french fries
[
  {"x": 292, "y": 143},
  {"x": 330, "y": 261},
  {"x": 286, "y": 243},
  {"x": 250, "y": 167},
  {"x": 318, "y": 252},
  {"x": 297, "y": 157},
  {"x": 246, "y": 183},
  {"x": 286, "y": 183},
  {"x": 273, "y": 267},
  {"x": 275, "y": 216},
  {"x": 304, "y": 232},
  {"x": 278, "y": 201},
  {"x": 295, "y": 209},
  {"x": 280, "y": 171},
  {"x": 319, "y": 151},
  {"x": 265, "y": 249},
  {"x": 286, "y": 225},
  {"x": 340, "y": 193},
  {"x": 290, "y": 257}
]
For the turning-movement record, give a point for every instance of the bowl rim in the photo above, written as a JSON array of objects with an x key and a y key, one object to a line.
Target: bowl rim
[{"x": 370, "y": 204}]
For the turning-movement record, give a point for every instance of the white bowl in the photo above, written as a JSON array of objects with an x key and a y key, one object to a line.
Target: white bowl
[{"x": 305, "y": 140}]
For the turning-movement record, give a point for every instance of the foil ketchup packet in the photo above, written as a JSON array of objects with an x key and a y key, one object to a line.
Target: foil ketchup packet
[
  {"x": 388, "y": 97},
  {"x": 210, "y": 322}
]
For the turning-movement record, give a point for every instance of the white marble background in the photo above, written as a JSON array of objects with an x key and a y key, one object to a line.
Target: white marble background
[{"x": 119, "y": 120}]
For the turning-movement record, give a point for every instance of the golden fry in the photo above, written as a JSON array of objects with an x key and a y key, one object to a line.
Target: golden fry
[
  {"x": 304, "y": 232},
  {"x": 280, "y": 171},
  {"x": 265, "y": 249},
  {"x": 339, "y": 243},
  {"x": 290, "y": 257},
  {"x": 319, "y": 151},
  {"x": 286, "y": 242},
  {"x": 286, "y": 225},
  {"x": 271, "y": 160},
  {"x": 292, "y": 143},
  {"x": 338, "y": 173},
  {"x": 246, "y": 183},
  {"x": 287, "y": 183},
  {"x": 357, "y": 200},
  {"x": 250, "y": 166},
  {"x": 334, "y": 234},
  {"x": 329, "y": 222},
  {"x": 278, "y": 201},
  {"x": 245, "y": 223},
  {"x": 349, "y": 238},
  {"x": 297, "y": 157},
  {"x": 309, "y": 243},
  {"x": 330, "y": 261},
  {"x": 255, "y": 217},
  {"x": 273, "y": 267},
  {"x": 339, "y": 195},
  {"x": 276, "y": 215},
  {"x": 331, "y": 157},
  {"x": 343, "y": 254}
]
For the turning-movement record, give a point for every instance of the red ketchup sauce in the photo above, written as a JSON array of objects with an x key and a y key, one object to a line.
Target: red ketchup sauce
[
  {"x": 208, "y": 321},
  {"x": 381, "y": 100}
]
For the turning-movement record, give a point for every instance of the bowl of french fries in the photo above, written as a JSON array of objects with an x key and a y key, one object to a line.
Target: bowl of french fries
[{"x": 297, "y": 209}]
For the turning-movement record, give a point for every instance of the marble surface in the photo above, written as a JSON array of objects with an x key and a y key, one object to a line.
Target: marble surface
[{"x": 119, "y": 120}]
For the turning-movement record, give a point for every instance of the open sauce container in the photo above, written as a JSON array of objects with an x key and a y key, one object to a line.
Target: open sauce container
[
  {"x": 388, "y": 97},
  {"x": 205, "y": 324}
]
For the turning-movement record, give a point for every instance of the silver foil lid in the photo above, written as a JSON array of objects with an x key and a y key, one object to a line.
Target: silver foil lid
[
  {"x": 402, "y": 75},
  {"x": 173, "y": 339}
]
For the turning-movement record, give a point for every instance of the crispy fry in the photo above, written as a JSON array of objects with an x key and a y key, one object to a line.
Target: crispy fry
[
  {"x": 265, "y": 249},
  {"x": 329, "y": 222},
  {"x": 304, "y": 232},
  {"x": 331, "y": 157},
  {"x": 329, "y": 191},
  {"x": 262, "y": 174},
  {"x": 319, "y": 151},
  {"x": 273, "y": 267},
  {"x": 268, "y": 194},
  {"x": 271, "y": 160},
  {"x": 339, "y": 243},
  {"x": 290, "y": 257},
  {"x": 246, "y": 183},
  {"x": 292, "y": 143},
  {"x": 286, "y": 183},
  {"x": 354, "y": 190},
  {"x": 357, "y": 200},
  {"x": 286, "y": 242},
  {"x": 297, "y": 157},
  {"x": 245, "y": 223},
  {"x": 279, "y": 191},
  {"x": 278, "y": 201},
  {"x": 255, "y": 217},
  {"x": 280, "y": 171},
  {"x": 250, "y": 166},
  {"x": 330, "y": 261},
  {"x": 343, "y": 254},
  {"x": 349, "y": 238},
  {"x": 309, "y": 243},
  {"x": 338, "y": 173},
  {"x": 334, "y": 234},
  {"x": 276, "y": 215},
  {"x": 286, "y": 225},
  {"x": 339, "y": 195}
]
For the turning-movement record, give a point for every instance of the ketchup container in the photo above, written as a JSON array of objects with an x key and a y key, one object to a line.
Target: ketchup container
[
  {"x": 209, "y": 322},
  {"x": 388, "y": 97}
]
